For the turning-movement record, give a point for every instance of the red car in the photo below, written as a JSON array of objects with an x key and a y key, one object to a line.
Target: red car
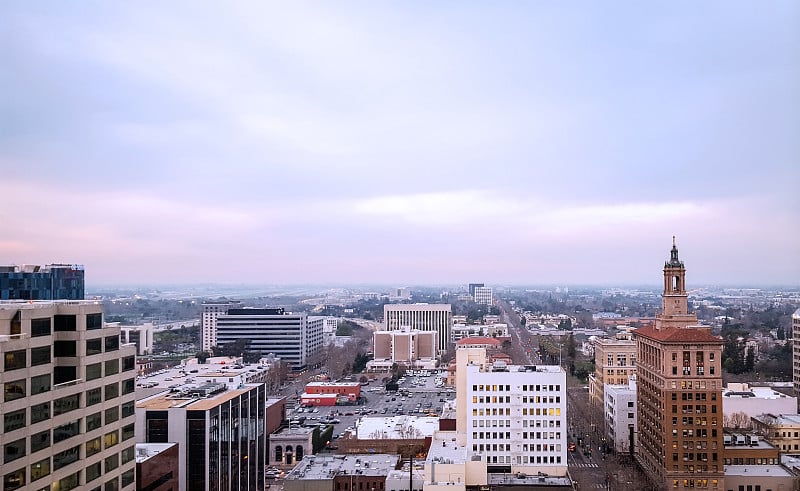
[{"x": 571, "y": 447}]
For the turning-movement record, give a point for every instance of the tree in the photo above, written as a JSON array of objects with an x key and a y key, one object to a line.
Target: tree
[
  {"x": 363, "y": 379},
  {"x": 506, "y": 346},
  {"x": 781, "y": 333},
  {"x": 750, "y": 360},
  {"x": 571, "y": 346},
  {"x": 202, "y": 356},
  {"x": 344, "y": 328},
  {"x": 523, "y": 320}
]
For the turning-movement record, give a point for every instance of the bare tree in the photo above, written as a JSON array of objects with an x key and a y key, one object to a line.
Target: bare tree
[{"x": 736, "y": 420}]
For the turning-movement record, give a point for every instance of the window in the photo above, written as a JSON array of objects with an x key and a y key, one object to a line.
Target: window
[
  {"x": 68, "y": 456},
  {"x": 111, "y": 439},
  {"x": 128, "y": 386},
  {"x": 94, "y": 346},
  {"x": 15, "y": 360},
  {"x": 14, "y": 450},
  {"x": 13, "y": 420},
  {"x": 66, "y": 404},
  {"x": 65, "y": 348},
  {"x": 40, "y": 440},
  {"x": 112, "y": 391},
  {"x": 40, "y": 412},
  {"x": 112, "y": 343},
  {"x": 128, "y": 363},
  {"x": 93, "y": 446},
  {"x": 93, "y": 421},
  {"x": 64, "y": 323},
  {"x": 128, "y": 409},
  {"x": 94, "y": 396},
  {"x": 94, "y": 371},
  {"x": 127, "y": 432},
  {"x": 14, "y": 390},
  {"x": 111, "y": 462},
  {"x": 69, "y": 483},
  {"x": 40, "y": 356},
  {"x": 94, "y": 321},
  {"x": 40, "y": 327},
  {"x": 112, "y": 414},
  {"x": 128, "y": 454},
  {"x": 66, "y": 431},
  {"x": 64, "y": 374},
  {"x": 111, "y": 485},
  {"x": 112, "y": 367},
  {"x": 14, "y": 480},
  {"x": 128, "y": 478},
  {"x": 40, "y": 469},
  {"x": 93, "y": 472}
]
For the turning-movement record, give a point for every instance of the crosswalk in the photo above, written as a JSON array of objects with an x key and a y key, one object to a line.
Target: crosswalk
[{"x": 578, "y": 464}]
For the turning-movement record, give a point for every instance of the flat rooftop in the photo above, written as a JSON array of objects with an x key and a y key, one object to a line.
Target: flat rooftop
[
  {"x": 754, "y": 393},
  {"x": 444, "y": 448},
  {"x": 324, "y": 467},
  {"x": 758, "y": 470},
  {"x": 168, "y": 400},
  {"x": 145, "y": 451},
  {"x": 526, "y": 480},
  {"x": 781, "y": 419},
  {"x": 396, "y": 427}
]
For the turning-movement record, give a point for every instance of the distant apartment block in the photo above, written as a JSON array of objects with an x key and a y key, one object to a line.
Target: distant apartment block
[
  {"x": 472, "y": 287},
  {"x": 329, "y": 327},
  {"x": 407, "y": 347},
  {"x": 421, "y": 317},
  {"x": 620, "y": 415},
  {"x": 221, "y": 434},
  {"x": 211, "y": 311},
  {"x": 483, "y": 295},
  {"x": 68, "y": 403},
  {"x": 402, "y": 293},
  {"x": 294, "y": 338},
  {"x": 615, "y": 362},
  {"x": 50, "y": 282}
]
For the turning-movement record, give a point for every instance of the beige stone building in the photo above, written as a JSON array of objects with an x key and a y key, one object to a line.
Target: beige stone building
[
  {"x": 796, "y": 349},
  {"x": 781, "y": 430},
  {"x": 422, "y": 317},
  {"x": 615, "y": 362},
  {"x": 679, "y": 393},
  {"x": 68, "y": 398},
  {"x": 410, "y": 348}
]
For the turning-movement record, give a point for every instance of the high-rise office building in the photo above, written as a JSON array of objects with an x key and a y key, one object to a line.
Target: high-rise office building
[
  {"x": 294, "y": 338},
  {"x": 208, "y": 329},
  {"x": 796, "y": 349},
  {"x": 421, "y": 317},
  {"x": 50, "y": 282},
  {"x": 482, "y": 295},
  {"x": 679, "y": 393},
  {"x": 68, "y": 398},
  {"x": 472, "y": 287}
]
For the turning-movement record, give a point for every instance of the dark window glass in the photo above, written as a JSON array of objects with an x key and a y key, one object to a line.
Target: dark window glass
[
  {"x": 93, "y": 421},
  {"x": 128, "y": 363},
  {"x": 40, "y": 356},
  {"x": 94, "y": 371},
  {"x": 127, "y": 454},
  {"x": 112, "y": 462},
  {"x": 14, "y": 390},
  {"x": 63, "y": 375},
  {"x": 128, "y": 386},
  {"x": 94, "y": 396},
  {"x": 14, "y": 450},
  {"x": 127, "y": 432},
  {"x": 112, "y": 414},
  {"x": 64, "y": 323},
  {"x": 40, "y": 469},
  {"x": 69, "y": 483},
  {"x": 94, "y": 346},
  {"x": 40, "y": 412},
  {"x": 111, "y": 485},
  {"x": 127, "y": 478},
  {"x": 14, "y": 480},
  {"x": 112, "y": 343},
  {"x": 112, "y": 391},
  {"x": 93, "y": 472},
  {"x": 66, "y": 404},
  {"x": 14, "y": 420},
  {"x": 157, "y": 427},
  {"x": 66, "y": 431},
  {"x": 40, "y": 327},
  {"x": 15, "y": 360},
  {"x": 65, "y": 348},
  {"x": 94, "y": 321},
  {"x": 68, "y": 456},
  {"x": 112, "y": 367},
  {"x": 40, "y": 440},
  {"x": 128, "y": 409},
  {"x": 40, "y": 384}
]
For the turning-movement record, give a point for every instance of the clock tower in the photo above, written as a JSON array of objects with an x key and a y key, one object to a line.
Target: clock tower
[{"x": 674, "y": 300}]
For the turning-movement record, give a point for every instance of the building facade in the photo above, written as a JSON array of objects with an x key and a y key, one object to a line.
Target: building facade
[
  {"x": 50, "y": 282},
  {"x": 483, "y": 295},
  {"x": 679, "y": 393},
  {"x": 740, "y": 403},
  {"x": 405, "y": 347},
  {"x": 221, "y": 434},
  {"x": 615, "y": 363},
  {"x": 620, "y": 416},
  {"x": 796, "y": 350},
  {"x": 157, "y": 466},
  {"x": 68, "y": 403},
  {"x": 141, "y": 336},
  {"x": 421, "y": 317},
  {"x": 208, "y": 327},
  {"x": 294, "y": 338}
]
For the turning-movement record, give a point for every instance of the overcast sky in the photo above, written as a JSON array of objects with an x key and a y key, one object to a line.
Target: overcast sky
[{"x": 403, "y": 143}]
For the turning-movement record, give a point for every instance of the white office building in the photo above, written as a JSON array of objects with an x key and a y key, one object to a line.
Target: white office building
[
  {"x": 516, "y": 417},
  {"x": 211, "y": 311},
  {"x": 141, "y": 336},
  {"x": 421, "y": 317},
  {"x": 329, "y": 327},
  {"x": 68, "y": 404},
  {"x": 483, "y": 295},
  {"x": 620, "y": 414},
  {"x": 295, "y": 338}
]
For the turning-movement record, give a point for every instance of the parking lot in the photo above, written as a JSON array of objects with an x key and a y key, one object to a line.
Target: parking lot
[{"x": 417, "y": 396}]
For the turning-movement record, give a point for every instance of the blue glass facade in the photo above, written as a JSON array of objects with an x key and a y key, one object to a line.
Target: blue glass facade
[{"x": 52, "y": 282}]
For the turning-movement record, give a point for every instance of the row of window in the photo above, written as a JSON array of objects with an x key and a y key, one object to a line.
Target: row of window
[
  {"x": 507, "y": 388},
  {"x": 38, "y": 470},
  {"x": 17, "y": 449},
  {"x": 17, "y": 389},
  {"x": 16, "y": 360}
]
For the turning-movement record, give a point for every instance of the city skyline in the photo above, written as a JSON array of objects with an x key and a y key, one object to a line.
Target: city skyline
[{"x": 402, "y": 144}]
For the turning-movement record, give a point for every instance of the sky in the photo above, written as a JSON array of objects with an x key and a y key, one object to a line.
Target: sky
[{"x": 402, "y": 142}]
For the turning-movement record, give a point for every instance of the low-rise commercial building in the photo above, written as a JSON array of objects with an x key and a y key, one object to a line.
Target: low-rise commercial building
[
  {"x": 615, "y": 362},
  {"x": 741, "y": 402},
  {"x": 620, "y": 415},
  {"x": 341, "y": 472},
  {"x": 781, "y": 430},
  {"x": 288, "y": 446}
]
